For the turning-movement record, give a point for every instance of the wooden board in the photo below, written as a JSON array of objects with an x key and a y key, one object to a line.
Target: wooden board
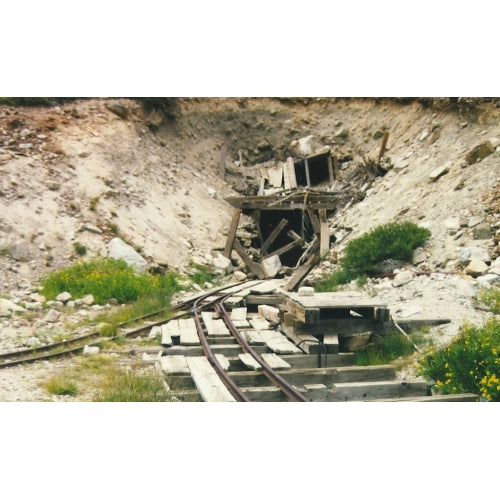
[
  {"x": 223, "y": 361},
  {"x": 239, "y": 314},
  {"x": 169, "y": 330},
  {"x": 188, "y": 332},
  {"x": 232, "y": 232},
  {"x": 207, "y": 381},
  {"x": 259, "y": 323},
  {"x": 273, "y": 235},
  {"x": 275, "y": 176},
  {"x": 286, "y": 248},
  {"x": 252, "y": 266},
  {"x": 361, "y": 391},
  {"x": 324, "y": 233},
  {"x": 174, "y": 365},
  {"x": 249, "y": 361},
  {"x": 278, "y": 343},
  {"x": 253, "y": 337},
  {"x": 301, "y": 272},
  {"x": 270, "y": 313},
  {"x": 289, "y": 178},
  {"x": 155, "y": 330},
  {"x": 336, "y": 300},
  {"x": 275, "y": 362}
]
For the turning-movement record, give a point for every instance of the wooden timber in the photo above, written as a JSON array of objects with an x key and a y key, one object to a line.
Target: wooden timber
[
  {"x": 285, "y": 248},
  {"x": 324, "y": 232},
  {"x": 301, "y": 272},
  {"x": 274, "y": 234},
  {"x": 232, "y": 232},
  {"x": 252, "y": 266},
  {"x": 293, "y": 201}
]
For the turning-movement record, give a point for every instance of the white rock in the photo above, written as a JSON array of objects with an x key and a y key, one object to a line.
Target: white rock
[
  {"x": 89, "y": 350},
  {"x": 306, "y": 291},
  {"x": 475, "y": 220},
  {"x": 465, "y": 287},
  {"x": 118, "y": 249},
  {"x": 64, "y": 297},
  {"x": 88, "y": 299},
  {"x": 271, "y": 266},
  {"x": 438, "y": 172},
  {"x": 487, "y": 280},
  {"x": 33, "y": 342},
  {"x": 476, "y": 267},
  {"x": 419, "y": 256},
  {"x": 222, "y": 263},
  {"x": 52, "y": 316},
  {"x": 466, "y": 254},
  {"x": 452, "y": 224},
  {"x": 240, "y": 276},
  {"x": 403, "y": 277},
  {"x": 7, "y": 307}
]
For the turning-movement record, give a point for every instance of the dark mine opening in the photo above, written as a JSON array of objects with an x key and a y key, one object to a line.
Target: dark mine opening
[
  {"x": 298, "y": 221},
  {"x": 318, "y": 168}
]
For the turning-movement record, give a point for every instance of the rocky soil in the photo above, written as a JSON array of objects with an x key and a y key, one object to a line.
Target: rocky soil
[{"x": 83, "y": 173}]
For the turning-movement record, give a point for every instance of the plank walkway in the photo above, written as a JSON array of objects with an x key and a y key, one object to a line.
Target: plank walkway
[{"x": 207, "y": 381}]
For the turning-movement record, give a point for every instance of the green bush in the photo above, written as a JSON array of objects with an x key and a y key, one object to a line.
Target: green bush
[
  {"x": 384, "y": 349},
  {"x": 395, "y": 240},
  {"x": 332, "y": 282},
  {"x": 471, "y": 363},
  {"x": 490, "y": 297},
  {"x": 106, "y": 279}
]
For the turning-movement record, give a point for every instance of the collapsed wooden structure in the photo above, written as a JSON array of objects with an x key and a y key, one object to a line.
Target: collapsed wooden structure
[{"x": 290, "y": 214}]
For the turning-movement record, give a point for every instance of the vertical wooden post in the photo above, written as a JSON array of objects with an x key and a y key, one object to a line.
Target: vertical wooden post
[
  {"x": 308, "y": 177},
  {"x": 383, "y": 146},
  {"x": 324, "y": 239},
  {"x": 222, "y": 166},
  {"x": 232, "y": 232},
  {"x": 330, "y": 168}
]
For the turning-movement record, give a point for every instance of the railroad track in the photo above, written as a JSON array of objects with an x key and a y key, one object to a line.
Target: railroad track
[{"x": 229, "y": 344}]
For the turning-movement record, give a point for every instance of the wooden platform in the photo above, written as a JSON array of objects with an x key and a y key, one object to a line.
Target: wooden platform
[{"x": 311, "y": 309}]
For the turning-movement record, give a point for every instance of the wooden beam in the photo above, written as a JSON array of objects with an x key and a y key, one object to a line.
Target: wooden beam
[
  {"x": 335, "y": 167},
  {"x": 252, "y": 266},
  {"x": 222, "y": 166},
  {"x": 232, "y": 232},
  {"x": 293, "y": 235},
  {"x": 324, "y": 232},
  {"x": 289, "y": 174},
  {"x": 301, "y": 272},
  {"x": 274, "y": 234},
  {"x": 308, "y": 176},
  {"x": 330, "y": 169},
  {"x": 286, "y": 248}
]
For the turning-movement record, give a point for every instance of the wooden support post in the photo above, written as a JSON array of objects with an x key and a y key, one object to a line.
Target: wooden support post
[
  {"x": 289, "y": 174},
  {"x": 252, "y": 266},
  {"x": 301, "y": 272},
  {"x": 324, "y": 232},
  {"x": 308, "y": 176},
  {"x": 222, "y": 166},
  {"x": 383, "y": 146},
  {"x": 232, "y": 232},
  {"x": 274, "y": 234},
  {"x": 330, "y": 169},
  {"x": 286, "y": 248},
  {"x": 293, "y": 235},
  {"x": 262, "y": 183},
  {"x": 335, "y": 167},
  {"x": 314, "y": 221}
]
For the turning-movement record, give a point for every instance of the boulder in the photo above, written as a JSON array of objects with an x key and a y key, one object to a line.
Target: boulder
[
  {"x": 222, "y": 263},
  {"x": 64, "y": 297},
  {"x": 419, "y": 256},
  {"x": 402, "y": 278},
  {"x": 438, "y": 172},
  {"x": 488, "y": 280},
  {"x": 306, "y": 291},
  {"x": 52, "y": 316},
  {"x": 476, "y": 268},
  {"x": 88, "y": 300},
  {"x": 482, "y": 231},
  {"x": 21, "y": 251},
  {"x": 466, "y": 254},
  {"x": 465, "y": 287},
  {"x": 271, "y": 266},
  {"x": 479, "y": 152},
  {"x": 118, "y": 249},
  {"x": 7, "y": 307},
  {"x": 89, "y": 350},
  {"x": 118, "y": 109},
  {"x": 240, "y": 276}
]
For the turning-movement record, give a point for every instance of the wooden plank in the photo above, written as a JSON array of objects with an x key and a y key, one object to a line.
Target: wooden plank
[
  {"x": 293, "y": 235},
  {"x": 301, "y": 272},
  {"x": 270, "y": 313},
  {"x": 169, "y": 330},
  {"x": 232, "y": 232},
  {"x": 330, "y": 169},
  {"x": 249, "y": 361},
  {"x": 222, "y": 165},
  {"x": 324, "y": 233},
  {"x": 253, "y": 337},
  {"x": 239, "y": 314},
  {"x": 174, "y": 365},
  {"x": 257, "y": 300},
  {"x": 274, "y": 234},
  {"x": 252, "y": 266},
  {"x": 275, "y": 362},
  {"x": 360, "y": 391},
  {"x": 266, "y": 287},
  {"x": 286, "y": 248},
  {"x": 336, "y": 300},
  {"x": 290, "y": 179},
  {"x": 334, "y": 326},
  {"x": 259, "y": 323},
  {"x": 223, "y": 361},
  {"x": 156, "y": 330},
  {"x": 207, "y": 381},
  {"x": 278, "y": 343},
  {"x": 308, "y": 175},
  {"x": 435, "y": 398},
  {"x": 262, "y": 183},
  {"x": 331, "y": 342},
  {"x": 335, "y": 167},
  {"x": 276, "y": 176},
  {"x": 188, "y": 332}
]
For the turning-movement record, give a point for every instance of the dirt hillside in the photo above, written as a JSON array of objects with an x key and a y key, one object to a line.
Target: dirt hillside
[{"x": 82, "y": 172}]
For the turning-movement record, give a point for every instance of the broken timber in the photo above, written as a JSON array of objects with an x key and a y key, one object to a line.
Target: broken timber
[{"x": 232, "y": 232}]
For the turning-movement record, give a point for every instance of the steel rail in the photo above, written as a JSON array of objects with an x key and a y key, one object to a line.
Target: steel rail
[
  {"x": 224, "y": 377},
  {"x": 68, "y": 346},
  {"x": 292, "y": 392}
]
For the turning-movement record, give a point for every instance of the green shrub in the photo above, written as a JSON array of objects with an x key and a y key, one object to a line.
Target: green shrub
[
  {"x": 332, "y": 281},
  {"x": 471, "y": 363},
  {"x": 61, "y": 386},
  {"x": 384, "y": 349},
  {"x": 79, "y": 249},
  {"x": 106, "y": 279},
  {"x": 200, "y": 274},
  {"x": 395, "y": 240},
  {"x": 491, "y": 298}
]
